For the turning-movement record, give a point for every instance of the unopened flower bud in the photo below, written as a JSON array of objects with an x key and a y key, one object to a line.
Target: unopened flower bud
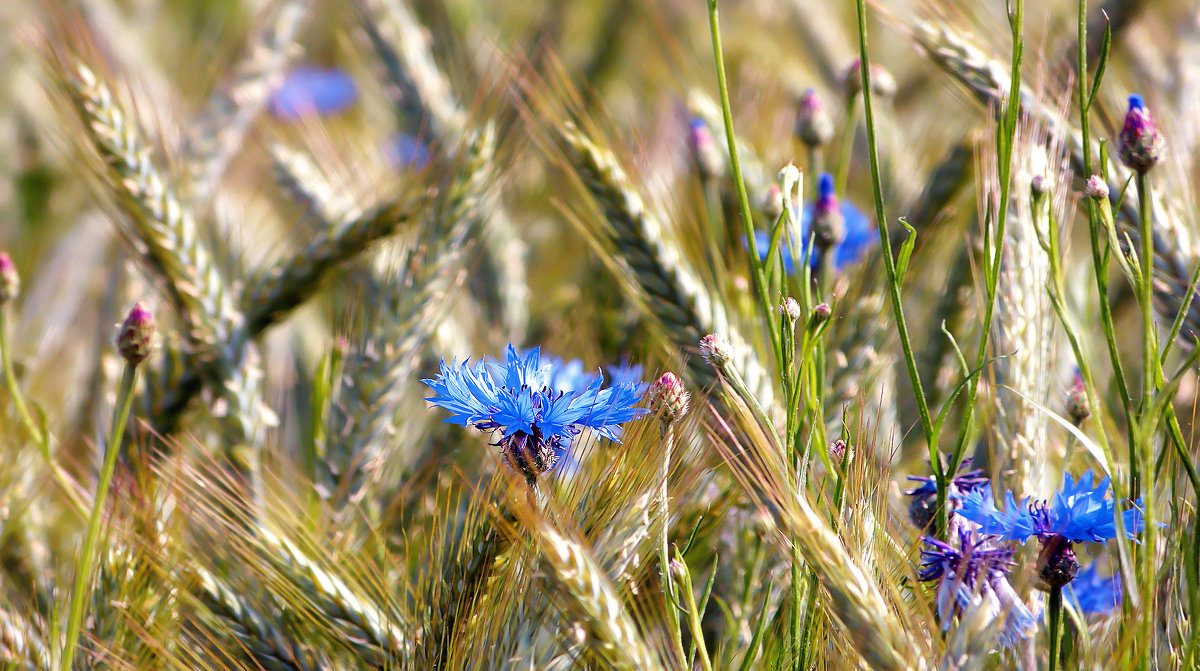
[
  {"x": 10, "y": 281},
  {"x": 710, "y": 163},
  {"x": 820, "y": 315},
  {"x": 1038, "y": 186},
  {"x": 136, "y": 335},
  {"x": 882, "y": 82},
  {"x": 715, "y": 350},
  {"x": 1140, "y": 144},
  {"x": 828, "y": 227},
  {"x": 1077, "y": 401},
  {"x": 790, "y": 308},
  {"x": 1096, "y": 188},
  {"x": 814, "y": 126},
  {"x": 837, "y": 451},
  {"x": 669, "y": 398}
]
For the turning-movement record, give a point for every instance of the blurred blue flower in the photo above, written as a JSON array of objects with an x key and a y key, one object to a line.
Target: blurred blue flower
[
  {"x": 1094, "y": 593},
  {"x": 860, "y": 235},
  {"x": 536, "y": 421},
  {"x": 313, "y": 91},
  {"x": 973, "y": 574},
  {"x": 406, "y": 151}
]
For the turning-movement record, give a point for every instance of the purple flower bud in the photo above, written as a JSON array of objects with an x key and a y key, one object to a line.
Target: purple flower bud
[
  {"x": 814, "y": 126},
  {"x": 716, "y": 350},
  {"x": 837, "y": 451},
  {"x": 137, "y": 335},
  {"x": 828, "y": 227},
  {"x": 1038, "y": 186},
  {"x": 1077, "y": 401},
  {"x": 820, "y": 315},
  {"x": 706, "y": 155},
  {"x": 882, "y": 82},
  {"x": 1140, "y": 144},
  {"x": 790, "y": 308},
  {"x": 1096, "y": 188},
  {"x": 669, "y": 398},
  {"x": 10, "y": 281}
]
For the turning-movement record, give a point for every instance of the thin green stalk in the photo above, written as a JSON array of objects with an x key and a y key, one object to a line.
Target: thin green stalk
[
  {"x": 35, "y": 432},
  {"x": 87, "y": 554},
  {"x": 664, "y": 549},
  {"x": 847, "y": 146},
  {"x": 10, "y": 381},
  {"x": 889, "y": 262},
  {"x": 756, "y": 269},
  {"x": 1055, "y": 625},
  {"x": 993, "y": 250}
]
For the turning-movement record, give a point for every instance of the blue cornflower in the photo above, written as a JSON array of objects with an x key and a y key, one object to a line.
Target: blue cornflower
[
  {"x": 536, "y": 421},
  {"x": 924, "y": 496},
  {"x": 1077, "y": 513},
  {"x": 313, "y": 91},
  {"x": 974, "y": 574},
  {"x": 858, "y": 235},
  {"x": 1094, "y": 593}
]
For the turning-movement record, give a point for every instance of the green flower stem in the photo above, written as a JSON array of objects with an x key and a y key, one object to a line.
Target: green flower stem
[
  {"x": 756, "y": 267},
  {"x": 87, "y": 554},
  {"x": 664, "y": 549},
  {"x": 1055, "y": 625},
  {"x": 994, "y": 235},
  {"x": 40, "y": 437},
  {"x": 10, "y": 381},
  {"x": 889, "y": 263}
]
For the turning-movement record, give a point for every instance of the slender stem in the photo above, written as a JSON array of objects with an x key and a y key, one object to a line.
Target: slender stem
[
  {"x": 87, "y": 554},
  {"x": 994, "y": 236},
  {"x": 10, "y": 381},
  {"x": 756, "y": 270},
  {"x": 42, "y": 439},
  {"x": 1055, "y": 625},
  {"x": 889, "y": 263},
  {"x": 664, "y": 547}
]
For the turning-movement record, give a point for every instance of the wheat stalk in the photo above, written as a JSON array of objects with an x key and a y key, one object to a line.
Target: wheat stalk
[
  {"x": 374, "y": 624},
  {"x": 164, "y": 226},
  {"x": 673, "y": 294},
  {"x": 272, "y": 648},
  {"x": 592, "y": 598}
]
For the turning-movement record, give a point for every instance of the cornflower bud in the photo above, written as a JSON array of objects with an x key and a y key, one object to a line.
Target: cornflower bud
[
  {"x": 837, "y": 451},
  {"x": 1096, "y": 188},
  {"x": 882, "y": 82},
  {"x": 814, "y": 126},
  {"x": 705, "y": 152},
  {"x": 1140, "y": 144},
  {"x": 790, "y": 308},
  {"x": 137, "y": 334},
  {"x": 1038, "y": 186},
  {"x": 10, "y": 281},
  {"x": 669, "y": 398},
  {"x": 828, "y": 227},
  {"x": 1077, "y": 402},
  {"x": 820, "y": 315},
  {"x": 715, "y": 350}
]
